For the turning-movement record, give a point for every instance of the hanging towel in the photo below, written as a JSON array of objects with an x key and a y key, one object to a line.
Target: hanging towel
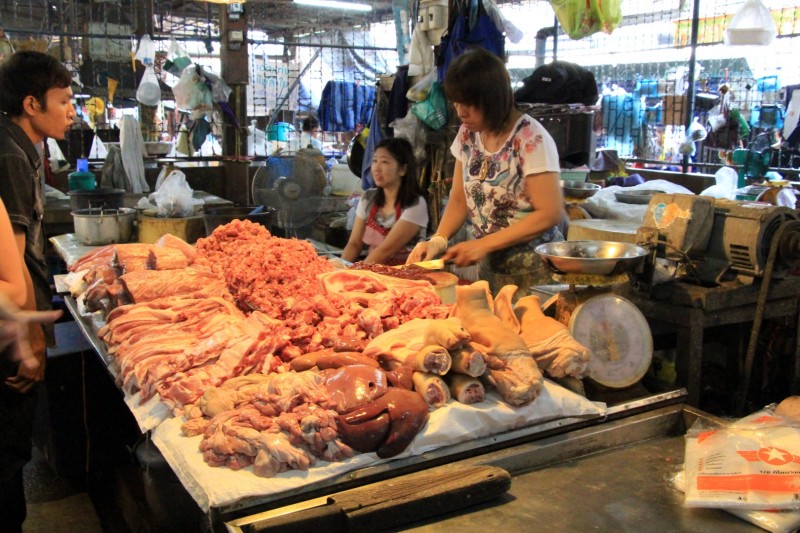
[
  {"x": 113, "y": 170},
  {"x": 420, "y": 59},
  {"x": 133, "y": 152}
]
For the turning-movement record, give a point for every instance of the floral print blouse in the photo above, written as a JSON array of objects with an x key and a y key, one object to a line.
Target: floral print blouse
[{"x": 494, "y": 183}]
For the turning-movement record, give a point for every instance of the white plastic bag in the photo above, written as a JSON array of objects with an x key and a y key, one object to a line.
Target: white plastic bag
[
  {"x": 751, "y": 25},
  {"x": 146, "y": 52},
  {"x": 749, "y": 464},
  {"x": 174, "y": 198},
  {"x": 149, "y": 93}
]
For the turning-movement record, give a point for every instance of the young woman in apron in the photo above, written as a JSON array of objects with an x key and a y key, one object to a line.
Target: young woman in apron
[{"x": 392, "y": 217}]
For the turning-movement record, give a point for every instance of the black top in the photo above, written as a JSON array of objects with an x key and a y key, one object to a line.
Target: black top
[{"x": 21, "y": 191}]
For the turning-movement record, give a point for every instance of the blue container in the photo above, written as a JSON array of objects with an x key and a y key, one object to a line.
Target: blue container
[{"x": 279, "y": 131}]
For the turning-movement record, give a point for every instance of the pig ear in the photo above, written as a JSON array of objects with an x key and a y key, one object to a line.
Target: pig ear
[{"x": 504, "y": 309}]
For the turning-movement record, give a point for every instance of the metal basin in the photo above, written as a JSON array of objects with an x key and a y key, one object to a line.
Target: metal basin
[
  {"x": 579, "y": 189},
  {"x": 591, "y": 257}
]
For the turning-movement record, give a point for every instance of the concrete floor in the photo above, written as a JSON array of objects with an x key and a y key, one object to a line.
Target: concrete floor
[{"x": 55, "y": 504}]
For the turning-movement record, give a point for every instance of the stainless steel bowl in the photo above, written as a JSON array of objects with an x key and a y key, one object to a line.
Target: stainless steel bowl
[
  {"x": 579, "y": 189},
  {"x": 591, "y": 257}
]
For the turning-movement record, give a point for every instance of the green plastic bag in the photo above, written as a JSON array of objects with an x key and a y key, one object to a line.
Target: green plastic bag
[
  {"x": 580, "y": 18},
  {"x": 432, "y": 111}
]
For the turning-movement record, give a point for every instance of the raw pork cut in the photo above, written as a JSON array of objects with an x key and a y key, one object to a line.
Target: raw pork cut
[
  {"x": 512, "y": 369},
  {"x": 549, "y": 341}
]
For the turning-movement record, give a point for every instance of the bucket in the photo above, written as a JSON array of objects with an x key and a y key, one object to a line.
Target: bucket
[
  {"x": 94, "y": 227},
  {"x": 279, "y": 131},
  {"x": 188, "y": 229},
  {"x": 218, "y": 216}
]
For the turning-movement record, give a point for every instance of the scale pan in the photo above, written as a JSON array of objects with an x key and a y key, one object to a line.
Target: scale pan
[{"x": 599, "y": 258}]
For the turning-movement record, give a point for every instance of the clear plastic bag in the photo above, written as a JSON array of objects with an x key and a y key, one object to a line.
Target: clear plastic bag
[
  {"x": 751, "y": 25},
  {"x": 174, "y": 198},
  {"x": 410, "y": 128},
  {"x": 149, "y": 93},
  {"x": 191, "y": 94},
  {"x": 419, "y": 91}
]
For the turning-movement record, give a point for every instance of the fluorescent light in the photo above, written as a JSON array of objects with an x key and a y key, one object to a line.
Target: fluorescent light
[{"x": 335, "y": 4}]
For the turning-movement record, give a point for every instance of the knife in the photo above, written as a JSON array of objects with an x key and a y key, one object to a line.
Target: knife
[{"x": 434, "y": 264}]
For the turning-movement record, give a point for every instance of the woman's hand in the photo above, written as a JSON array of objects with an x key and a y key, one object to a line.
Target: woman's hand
[
  {"x": 15, "y": 326},
  {"x": 426, "y": 250},
  {"x": 467, "y": 253}
]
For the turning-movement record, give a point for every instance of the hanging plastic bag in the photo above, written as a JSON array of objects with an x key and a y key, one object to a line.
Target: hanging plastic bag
[
  {"x": 149, "y": 93},
  {"x": 178, "y": 59},
  {"x": 192, "y": 94},
  {"x": 419, "y": 91},
  {"x": 433, "y": 110},
  {"x": 751, "y": 25},
  {"x": 146, "y": 52},
  {"x": 581, "y": 18}
]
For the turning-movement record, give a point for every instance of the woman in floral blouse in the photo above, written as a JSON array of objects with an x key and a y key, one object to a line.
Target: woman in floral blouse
[{"x": 506, "y": 179}]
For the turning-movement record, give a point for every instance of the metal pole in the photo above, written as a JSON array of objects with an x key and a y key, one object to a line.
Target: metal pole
[{"x": 689, "y": 97}]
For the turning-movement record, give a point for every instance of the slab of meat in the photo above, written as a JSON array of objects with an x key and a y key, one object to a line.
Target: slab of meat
[
  {"x": 98, "y": 256},
  {"x": 161, "y": 258},
  {"x": 171, "y": 241},
  {"x": 148, "y": 285},
  {"x": 131, "y": 257},
  {"x": 512, "y": 369},
  {"x": 364, "y": 286},
  {"x": 274, "y": 423},
  {"x": 549, "y": 341},
  {"x": 415, "y": 344}
]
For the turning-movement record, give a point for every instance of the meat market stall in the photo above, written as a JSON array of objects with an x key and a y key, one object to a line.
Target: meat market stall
[{"x": 235, "y": 403}]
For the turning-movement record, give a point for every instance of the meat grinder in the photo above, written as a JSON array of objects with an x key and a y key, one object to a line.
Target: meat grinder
[{"x": 711, "y": 241}]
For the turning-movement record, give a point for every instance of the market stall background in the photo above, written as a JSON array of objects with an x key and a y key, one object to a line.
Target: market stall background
[{"x": 649, "y": 69}]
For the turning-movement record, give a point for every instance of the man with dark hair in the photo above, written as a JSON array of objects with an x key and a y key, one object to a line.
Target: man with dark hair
[{"x": 35, "y": 103}]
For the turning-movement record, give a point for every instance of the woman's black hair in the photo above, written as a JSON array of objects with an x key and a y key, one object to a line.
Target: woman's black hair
[
  {"x": 30, "y": 73},
  {"x": 479, "y": 78},
  {"x": 309, "y": 123},
  {"x": 403, "y": 153}
]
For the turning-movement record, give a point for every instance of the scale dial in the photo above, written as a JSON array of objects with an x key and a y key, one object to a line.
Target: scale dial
[{"x": 618, "y": 338}]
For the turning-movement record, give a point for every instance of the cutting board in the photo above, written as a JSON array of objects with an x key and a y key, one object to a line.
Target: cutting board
[
  {"x": 602, "y": 229},
  {"x": 394, "y": 502}
]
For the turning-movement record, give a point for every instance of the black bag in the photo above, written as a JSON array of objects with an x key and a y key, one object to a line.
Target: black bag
[{"x": 559, "y": 82}]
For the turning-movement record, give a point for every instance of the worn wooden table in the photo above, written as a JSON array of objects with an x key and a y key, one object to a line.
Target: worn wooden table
[{"x": 690, "y": 310}]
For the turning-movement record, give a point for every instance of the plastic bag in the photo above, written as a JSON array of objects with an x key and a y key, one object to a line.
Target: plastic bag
[
  {"x": 433, "y": 110},
  {"x": 192, "y": 94},
  {"x": 772, "y": 521},
  {"x": 419, "y": 91},
  {"x": 146, "y": 52},
  {"x": 410, "y": 128},
  {"x": 751, "y": 25},
  {"x": 178, "y": 59},
  {"x": 174, "y": 198},
  {"x": 149, "y": 93},
  {"x": 581, "y": 18},
  {"x": 748, "y": 464}
]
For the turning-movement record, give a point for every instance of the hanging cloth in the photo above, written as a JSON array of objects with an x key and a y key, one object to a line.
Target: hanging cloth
[{"x": 375, "y": 136}]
